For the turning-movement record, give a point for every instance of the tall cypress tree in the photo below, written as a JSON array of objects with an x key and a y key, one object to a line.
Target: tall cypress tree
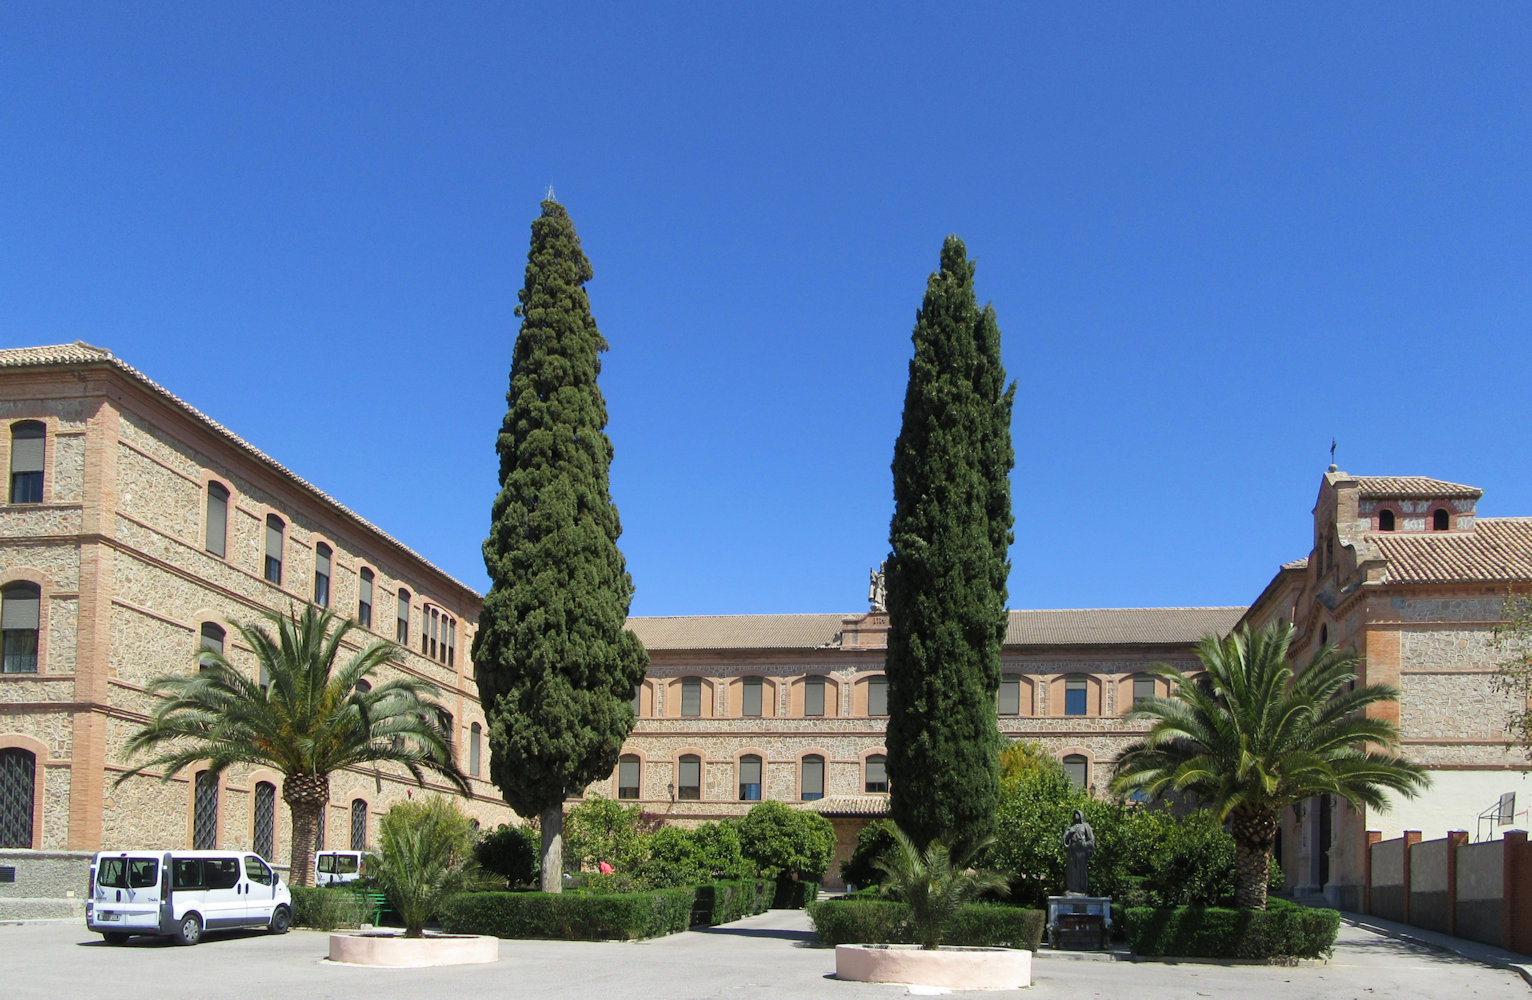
[
  {"x": 555, "y": 666},
  {"x": 946, "y": 576}
]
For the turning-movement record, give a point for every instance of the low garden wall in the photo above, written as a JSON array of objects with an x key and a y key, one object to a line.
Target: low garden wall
[{"x": 1482, "y": 892}]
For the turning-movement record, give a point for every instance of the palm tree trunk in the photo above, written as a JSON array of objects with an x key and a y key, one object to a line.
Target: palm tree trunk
[
  {"x": 1254, "y": 833},
  {"x": 553, "y": 848},
  {"x": 306, "y": 795}
]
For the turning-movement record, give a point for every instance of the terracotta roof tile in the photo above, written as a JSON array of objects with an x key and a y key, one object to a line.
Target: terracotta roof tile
[
  {"x": 81, "y": 353},
  {"x": 1414, "y": 488},
  {"x": 847, "y": 805},
  {"x": 1096, "y": 626},
  {"x": 1497, "y": 550}
]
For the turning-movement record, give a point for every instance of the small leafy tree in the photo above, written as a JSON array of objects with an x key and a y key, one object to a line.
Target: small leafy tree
[
  {"x": 934, "y": 884},
  {"x": 425, "y": 856},
  {"x": 1021, "y": 758},
  {"x": 681, "y": 857},
  {"x": 601, "y": 829},
  {"x": 787, "y": 843},
  {"x": 509, "y": 852},
  {"x": 873, "y": 841},
  {"x": 1513, "y": 638}
]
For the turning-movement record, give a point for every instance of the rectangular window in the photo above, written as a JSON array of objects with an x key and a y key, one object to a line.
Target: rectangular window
[
  {"x": 451, "y": 641},
  {"x": 690, "y": 784},
  {"x": 813, "y": 784},
  {"x": 1075, "y": 696},
  {"x": 877, "y": 696},
  {"x": 322, "y": 554},
  {"x": 274, "y": 528},
  {"x": 1010, "y": 695},
  {"x": 691, "y": 697},
  {"x": 217, "y": 518},
  {"x": 877, "y": 773},
  {"x": 27, "y": 449},
  {"x": 750, "y": 778},
  {"x": 20, "y": 604},
  {"x": 751, "y": 705},
  {"x": 814, "y": 696},
  {"x": 627, "y": 777},
  {"x": 402, "y": 626},
  {"x": 475, "y": 749},
  {"x": 638, "y": 692},
  {"x": 1143, "y": 688},
  {"x": 364, "y": 600}
]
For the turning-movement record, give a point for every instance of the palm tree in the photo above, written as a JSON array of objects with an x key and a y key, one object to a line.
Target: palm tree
[
  {"x": 425, "y": 856},
  {"x": 306, "y": 718},
  {"x": 933, "y": 883},
  {"x": 1248, "y": 739}
]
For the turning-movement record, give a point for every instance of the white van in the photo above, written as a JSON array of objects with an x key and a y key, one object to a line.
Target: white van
[
  {"x": 180, "y": 894},
  {"x": 335, "y": 867}
]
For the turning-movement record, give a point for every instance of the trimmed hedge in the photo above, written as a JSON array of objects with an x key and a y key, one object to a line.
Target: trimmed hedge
[
  {"x": 792, "y": 895},
  {"x": 573, "y": 916},
  {"x": 874, "y": 921},
  {"x": 1284, "y": 930},
  {"x": 724, "y": 902},
  {"x": 329, "y": 908}
]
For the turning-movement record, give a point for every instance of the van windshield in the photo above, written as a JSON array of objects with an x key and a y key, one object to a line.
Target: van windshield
[{"x": 128, "y": 873}]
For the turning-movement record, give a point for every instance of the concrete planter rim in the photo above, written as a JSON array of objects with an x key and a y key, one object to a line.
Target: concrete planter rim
[
  {"x": 392, "y": 950},
  {"x": 951, "y": 966}
]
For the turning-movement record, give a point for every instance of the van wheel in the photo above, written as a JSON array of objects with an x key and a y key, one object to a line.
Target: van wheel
[
  {"x": 190, "y": 931},
  {"x": 114, "y": 937},
  {"x": 281, "y": 920}
]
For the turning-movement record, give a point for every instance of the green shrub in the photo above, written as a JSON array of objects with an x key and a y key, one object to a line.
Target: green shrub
[
  {"x": 511, "y": 852},
  {"x": 425, "y": 856},
  {"x": 682, "y": 857},
  {"x": 790, "y": 895},
  {"x": 724, "y": 902},
  {"x": 573, "y": 916},
  {"x": 870, "y": 921},
  {"x": 601, "y": 829},
  {"x": 873, "y": 841},
  {"x": 328, "y": 908},
  {"x": 615, "y": 883},
  {"x": 1214, "y": 932},
  {"x": 782, "y": 841}
]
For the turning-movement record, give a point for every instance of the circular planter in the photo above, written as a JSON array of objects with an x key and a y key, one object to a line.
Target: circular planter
[
  {"x": 398, "y": 952},
  {"x": 954, "y": 968}
]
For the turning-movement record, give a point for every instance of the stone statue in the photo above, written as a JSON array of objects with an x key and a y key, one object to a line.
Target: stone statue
[
  {"x": 1079, "y": 842},
  {"x": 877, "y": 590}
]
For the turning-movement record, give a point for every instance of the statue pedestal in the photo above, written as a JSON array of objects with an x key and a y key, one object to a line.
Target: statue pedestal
[{"x": 1079, "y": 923}]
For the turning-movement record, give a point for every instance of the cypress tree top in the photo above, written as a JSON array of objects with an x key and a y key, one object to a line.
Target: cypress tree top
[
  {"x": 555, "y": 667},
  {"x": 946, "y": 576}
]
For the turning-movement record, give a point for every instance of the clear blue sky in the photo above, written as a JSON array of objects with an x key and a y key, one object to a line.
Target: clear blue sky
[{"x": 1216, "y": 236}]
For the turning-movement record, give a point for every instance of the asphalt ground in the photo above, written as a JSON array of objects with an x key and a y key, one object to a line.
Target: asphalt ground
[{"x": 764, "y": 957}]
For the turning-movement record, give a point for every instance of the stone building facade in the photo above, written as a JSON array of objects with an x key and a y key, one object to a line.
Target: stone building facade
[
  {"x": 134, "y": 531},
  {"x": 1404, "y": 573}
]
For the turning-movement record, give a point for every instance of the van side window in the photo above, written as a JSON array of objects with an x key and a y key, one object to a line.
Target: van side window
[
  {"x": 221, "y": 873},
  {"x": 256, "y": 870},
  {"x": 186, "y": 873},
  {"x": 345, "y": 864},
  {"x": 111, "y": 874},
  {"x": 327, "y": 864}
]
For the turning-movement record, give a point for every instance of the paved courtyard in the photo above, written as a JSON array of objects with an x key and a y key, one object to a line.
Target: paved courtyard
[{"x": 761, "y": 957}]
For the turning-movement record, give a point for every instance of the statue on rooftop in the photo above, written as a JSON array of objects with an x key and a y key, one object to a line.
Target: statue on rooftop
[{"x": 877, "y": 589}]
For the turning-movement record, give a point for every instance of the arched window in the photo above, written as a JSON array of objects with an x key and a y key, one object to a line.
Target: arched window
[
  {"x": 814, "y": 696},
  {"x": 1076, "y": 691},
  {"x": 1385, "y": 520},
  {"x": 205, "y": 811},
  {"x": 750, "y": 778},
  {"x": 811, "y": 786},
  {"x": 1077, "y": 769},
  {"x": 364, "y": 598},
  {"x": 358, "y": 825},
  {"x": 402, "y": 626},
  {"x": 1440, "y": 521},
  {"x": 628, "y": 776},
  {"x": 1143, "y": 689},
  {"x": 877, "y": 773},
  {"x": 689, "y": 777},
  {"x": 18, "y": 779},
  {"x": 323, "y": 555},
  {"x": 265, "y": 819},
  {"x": 475, "y": 749},
  {"x": 638, "y": 700},
  {"x": 691, "y": 697},
  {"x": 20, "y": 605},
  {"x": 28, "y": 438},
  {"x": 217, "y": 532},
  {"x": 363, "y": 686},
  {"x": 274, "y": 530},
  {"x": 877, "y": 695},
  {"x": 444, "y": 726},
  {"x": 1009, "y": 698},
  {"x": 750, "y": 697},
  {"x": 212, "y": 641}
]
